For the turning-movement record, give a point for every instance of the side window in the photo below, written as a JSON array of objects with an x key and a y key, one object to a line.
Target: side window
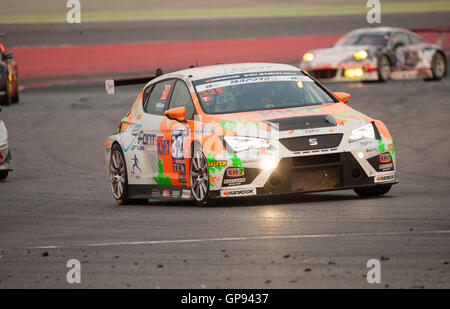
[
  {"x": 145, "y": 97},
  {"x": 414, "y": 39},
  {"x": 181, "y": 97},
  {"x": 400, "y": 39},
  {"x": 157, "y": 100}
]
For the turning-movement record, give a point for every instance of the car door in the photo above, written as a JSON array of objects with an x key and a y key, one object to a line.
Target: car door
[
  {"x": 146, "y": 165},
  {"x": 406, "y": 55},
  {"x": 180, "y": 134}
]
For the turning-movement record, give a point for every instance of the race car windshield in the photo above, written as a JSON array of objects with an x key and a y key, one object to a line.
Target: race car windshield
[
  {"x": 372, "y": 39},
  {"x": 259, "y": 91}
]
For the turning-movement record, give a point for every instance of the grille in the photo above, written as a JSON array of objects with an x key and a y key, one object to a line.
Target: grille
[
  {"x": 316, "y": 160},
  {"x": 323, "y": 73},
  {"x": 318, "y": 178},
  {"x": 312, "y": 142}
]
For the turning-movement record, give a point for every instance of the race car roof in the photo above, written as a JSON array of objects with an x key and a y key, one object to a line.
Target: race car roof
[
  {"x": 228, "y": 69},
  {"x": 376, "y": 30}
]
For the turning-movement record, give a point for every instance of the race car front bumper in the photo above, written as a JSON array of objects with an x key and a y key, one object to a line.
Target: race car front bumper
[
  {"x": 5, "y": 159},
  {"x": 340, "y": 74},
  {"x": 322, "y": 172}
]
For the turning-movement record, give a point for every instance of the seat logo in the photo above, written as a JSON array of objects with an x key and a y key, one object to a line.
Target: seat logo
[{"x": 313, "y": 142}]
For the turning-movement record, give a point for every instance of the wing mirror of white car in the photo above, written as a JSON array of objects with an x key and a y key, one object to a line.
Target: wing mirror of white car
[
  {"x": 176, "y": 113},
  {"x": 342, "y": 96}
]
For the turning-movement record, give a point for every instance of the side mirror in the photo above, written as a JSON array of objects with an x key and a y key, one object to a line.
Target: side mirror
[
  {"x": 342, "y": 96},
  {"x": 177, "y": 113}
]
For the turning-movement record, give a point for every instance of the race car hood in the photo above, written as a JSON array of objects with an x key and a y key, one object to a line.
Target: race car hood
[
  {"x": 332, "y": 115},
  {"x": 336, "y": 54}
]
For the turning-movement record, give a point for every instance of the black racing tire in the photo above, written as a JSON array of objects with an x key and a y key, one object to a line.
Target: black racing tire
[
  {"x": 3, "y": 175},
  {"x": 384, "y": 68},
  {"x": 118, "y": 175},
  {"x": 199, "y": 177},
  {"x": 372, "y": 190},
  {"x": 6, "y": 99},
  {"x": 15, "y": 99},
  {"x": 438, "y": 66}
]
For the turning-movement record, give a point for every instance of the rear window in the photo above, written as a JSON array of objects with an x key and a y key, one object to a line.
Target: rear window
[{"x": 157, "y": 100}]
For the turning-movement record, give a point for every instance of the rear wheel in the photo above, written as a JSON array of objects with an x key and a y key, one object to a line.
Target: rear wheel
[
  {"x": 6, "y": 98},
  {"x": 118, "y": 175},
  {"x": 373, "y": 190},
  {"x": 3, "y": 175},
  {"x": 199, "y": 177},
  {"x": 384, "y": 68},
  {"x": 15, "y": 97},
  {"x": 438, "y": 66}
]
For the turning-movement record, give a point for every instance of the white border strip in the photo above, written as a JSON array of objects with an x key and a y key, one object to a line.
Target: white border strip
[{"x": 243, "y": 238}]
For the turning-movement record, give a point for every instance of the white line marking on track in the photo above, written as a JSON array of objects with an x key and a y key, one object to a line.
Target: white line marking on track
[{"x": 244, "y": 238}]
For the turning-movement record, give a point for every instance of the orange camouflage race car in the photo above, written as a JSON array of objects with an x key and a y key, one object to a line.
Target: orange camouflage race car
[
  {"x": 240, "y": 130},
  {"x": 9, "y": 80}
]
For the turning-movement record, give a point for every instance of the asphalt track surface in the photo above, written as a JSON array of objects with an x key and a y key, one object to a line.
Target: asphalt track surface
[
  {"x": 58, "y": 196},
  {"x": 57, "y": 206}
]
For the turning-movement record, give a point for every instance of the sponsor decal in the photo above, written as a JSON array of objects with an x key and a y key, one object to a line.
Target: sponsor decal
[
  {"x": 384, "y": 178},
  {"x": 182, "y": 177},
  {"x": 159, "y": 106},
  {"x": 177, "y": 149},
  {"x": 146, "y": 138},
  {"x": 179, "y": 167},
  {"x": 308, "y": 131},
  {"x": 176, "y": 193},
  {"x": 135, "y": 166},
  {"x": 166, "y": 193},
  {"x": 204, "y": 129},
  {"x": 155, "y": 193},
  {"x": 217, "y": 163},
  {"x": 386, "y": 167},
  {"x": 163, "y": 147},
  {"x": 238, "y": 192},
  {"x": 382, "y": 162},
  {"x": 371, "y": 150},
  {"x": 126, "y": 148},
  {"x": 385, "y": 158},
  {"x": 235, "y": 172},
  {"x": 234, "y": 181},
  {"x": 186, "y": 194}
]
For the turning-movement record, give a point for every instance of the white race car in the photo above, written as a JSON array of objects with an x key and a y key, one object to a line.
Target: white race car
[
  {"x": 244, "y": 130},
  {"x": 377, "y": 54},
  {"x": 5, "y": 152}
]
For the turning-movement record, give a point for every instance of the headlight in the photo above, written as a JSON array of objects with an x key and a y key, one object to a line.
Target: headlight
[
  {"x": 360, "y": 54},
  {"x": 239, "y": 143},
  {"x": 366, "y": 131},
  {"x": 308, "y": 57}
]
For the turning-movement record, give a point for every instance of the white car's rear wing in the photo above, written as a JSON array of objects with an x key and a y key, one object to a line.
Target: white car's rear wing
[
  {"x": 441, "y": 30},
  {"x": 111, "y": 84}
]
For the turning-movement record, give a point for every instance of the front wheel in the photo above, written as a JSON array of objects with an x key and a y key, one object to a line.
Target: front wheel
[
  {"x": 6, "y": 99},
  {"x": 3, "y": 175},
  {"x": 199, "y": 177},
  {"x": 373, "y": 190},
  {"x": 384, "y": 69},
  {"x": 118, "y": 175}
]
